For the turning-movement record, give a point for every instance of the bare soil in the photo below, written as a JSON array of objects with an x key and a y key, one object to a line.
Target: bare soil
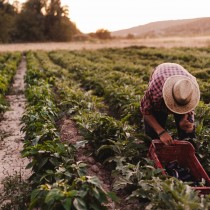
[
  {"x": 10, "y": 130},
  {"x": 166, "y": 42}
]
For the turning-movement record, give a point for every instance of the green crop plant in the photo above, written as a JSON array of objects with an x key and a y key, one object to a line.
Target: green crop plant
[
  {"x": 48, "y": 159},
  {"x": 99, "y": 127},
  {"x": 204, "y": 87},
  {"x": 85, "y": 193},
  {"x": 39, "y": 120},
  {"x": 169, "y": 194},
  {"x": 8, "y": 65},
  {"x": 59, "y": 181},
  {"x": 71, "y": 98},
  {"x": 3, "y": 104},
  {"x": 128, "y": 176},
  {"x": 122, "y": 99},
  {"x": 202, "y": 139},
  {"x": 73, "y": 81},
  {"x": 34, "y": 72}
]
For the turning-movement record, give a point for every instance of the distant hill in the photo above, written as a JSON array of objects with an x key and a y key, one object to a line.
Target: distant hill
[{"x": 185, "y": 27}]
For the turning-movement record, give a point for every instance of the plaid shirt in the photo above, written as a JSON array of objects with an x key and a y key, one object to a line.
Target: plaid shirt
[{"x": 153, "y": 98}]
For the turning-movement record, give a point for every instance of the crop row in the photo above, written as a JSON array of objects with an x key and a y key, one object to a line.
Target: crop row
[
  {"x": 8, "y": 66},
  {"x": 121, "y": 91},
  {"x": 100, "y": 90},
  {"x": 59, "y": 181},
  {"x": 197, "y": 61},
  {"x": 113, "y": 141}
]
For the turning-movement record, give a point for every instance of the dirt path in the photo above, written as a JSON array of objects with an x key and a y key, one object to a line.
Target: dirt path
[{"x": 10, "y": 135}]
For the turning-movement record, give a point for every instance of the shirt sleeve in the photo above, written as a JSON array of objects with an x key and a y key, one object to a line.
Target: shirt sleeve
[{"x": 146, "y": 104}]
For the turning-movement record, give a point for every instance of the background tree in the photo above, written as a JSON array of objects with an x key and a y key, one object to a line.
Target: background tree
[
  {"x": 103, "y": 34},
  {"x": 30, "y": 24},
  {"x": 58, "y": 25},
  {"x": 8, "y": 14},
  {"x": 100, "y": 34},
  {"x": 35, "y": 20}
]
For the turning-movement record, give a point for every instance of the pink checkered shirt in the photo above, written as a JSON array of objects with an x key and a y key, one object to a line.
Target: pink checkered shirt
[{"x": 153, "y": 98}]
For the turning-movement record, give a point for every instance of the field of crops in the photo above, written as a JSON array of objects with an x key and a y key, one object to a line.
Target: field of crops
[{"x": 100, "y": 91}]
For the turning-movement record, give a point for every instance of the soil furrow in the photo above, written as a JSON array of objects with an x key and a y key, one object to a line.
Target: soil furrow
[{"x": 11, "y": 136}]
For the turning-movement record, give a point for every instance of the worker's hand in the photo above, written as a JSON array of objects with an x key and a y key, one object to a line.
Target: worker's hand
[
  {"x": 185, "y": 125},
  {"x": 166, "y": 138}
]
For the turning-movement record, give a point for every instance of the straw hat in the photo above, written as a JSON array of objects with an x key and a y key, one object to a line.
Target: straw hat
[{"x": 181, "y": 94}]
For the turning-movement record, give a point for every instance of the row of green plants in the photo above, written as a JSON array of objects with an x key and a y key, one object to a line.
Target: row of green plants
[
  {"x": 58, "y": 180},
  {"x": 116, "y": 144},
  {"x": 120, "y": 90},
  {"x": 140, "y": 61},
  {"x": 139, "y": 58},
  {"x": 196, "y": 60},
  {"x": 8, "y": 66}
]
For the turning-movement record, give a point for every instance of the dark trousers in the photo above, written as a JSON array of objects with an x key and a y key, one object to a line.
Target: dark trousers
[{"x": 161, "y": 117}]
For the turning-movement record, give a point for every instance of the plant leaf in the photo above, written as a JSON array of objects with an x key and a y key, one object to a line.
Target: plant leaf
[{"x": 79, "y": 204}]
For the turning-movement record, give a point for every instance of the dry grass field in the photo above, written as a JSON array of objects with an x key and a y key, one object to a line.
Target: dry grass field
[{"x": 202, "y": 41}]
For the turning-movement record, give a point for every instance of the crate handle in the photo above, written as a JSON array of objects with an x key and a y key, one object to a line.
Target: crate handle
[{"x": 173, "y": 144}]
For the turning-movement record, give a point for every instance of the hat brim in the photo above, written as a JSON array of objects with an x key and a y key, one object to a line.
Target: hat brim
[{"x": 171, "y": 103}]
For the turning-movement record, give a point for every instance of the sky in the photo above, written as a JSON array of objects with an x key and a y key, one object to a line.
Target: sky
[{"x": 113, "y": 15}]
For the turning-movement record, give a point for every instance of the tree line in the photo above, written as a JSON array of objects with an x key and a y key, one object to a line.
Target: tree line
[{"x": 35, "y": 21}]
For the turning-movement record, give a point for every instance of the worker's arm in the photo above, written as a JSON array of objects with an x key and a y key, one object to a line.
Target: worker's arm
[
  {"x": 164, "y": 137},
  {"x": 146, "y": 111},
  {"x": 187, "y": 123}
]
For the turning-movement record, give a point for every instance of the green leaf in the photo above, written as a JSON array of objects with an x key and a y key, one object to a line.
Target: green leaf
[
  {"x": 97, "y": 207},
  {"x": 42, "y": 163},
  {"x": 30, "y": 165},
  {"x": 82, "y": 193},
  {"x": 67, "y": 203},
  {"x": 35, "y": 193},
  {"x": 80, "y": 144},
  {"x": 72, "y": 193},
  {"x": 54, "y": 161},
  {"x": 53, "y": 195},
  {"x": 94, "y": 180},
  {"x": 113, "y": 196},
  {"x": 79, "y": 204},
  {"x": 99, "y": 195}
]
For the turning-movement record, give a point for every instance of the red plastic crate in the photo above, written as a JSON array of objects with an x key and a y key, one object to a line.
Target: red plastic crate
[{"x": 184, "y": 153}]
